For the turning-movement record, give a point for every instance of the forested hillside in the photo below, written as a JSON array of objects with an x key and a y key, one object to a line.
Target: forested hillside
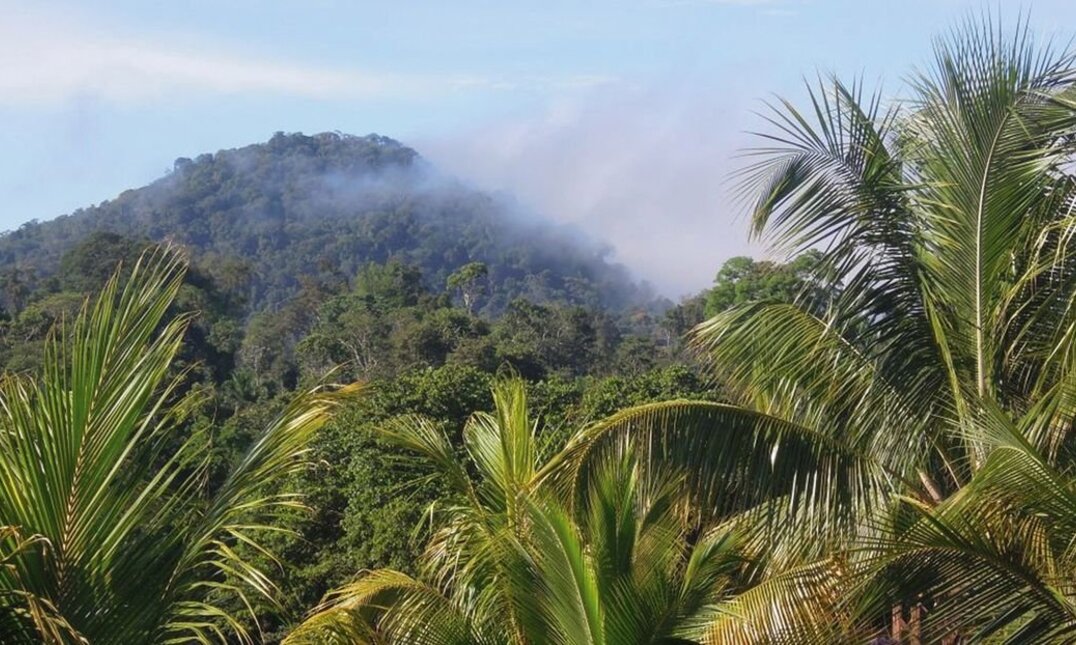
[
  {"x": 324, "y": 206},
  {"x": 310, "y": 260},
  {"x": 421, "y": 347},
  {"x": 311, "y": 392}
]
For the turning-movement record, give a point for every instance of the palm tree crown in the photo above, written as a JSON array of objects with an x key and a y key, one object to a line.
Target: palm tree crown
[
  {"x": 107, "y": 534},
  {"x": 944, "y": 354},
  {"x": 523, "y": 555}
]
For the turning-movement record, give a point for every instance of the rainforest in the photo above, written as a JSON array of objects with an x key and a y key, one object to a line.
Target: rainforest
[{"x": 319, "y": 389}]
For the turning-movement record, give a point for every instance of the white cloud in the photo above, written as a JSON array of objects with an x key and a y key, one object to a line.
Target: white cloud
[
  {"x": 47, "y": 58},
  {"x": 643, "y": 169}
]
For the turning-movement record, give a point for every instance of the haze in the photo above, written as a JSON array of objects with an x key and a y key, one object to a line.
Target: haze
[{"x": 623, "y": 119}]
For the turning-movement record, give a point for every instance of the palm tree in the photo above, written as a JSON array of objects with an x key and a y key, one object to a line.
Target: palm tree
[
  {"x": 945, "y": 355},
  {"x": 107, "y": 535},
  {"x": 522, "y": 555}
]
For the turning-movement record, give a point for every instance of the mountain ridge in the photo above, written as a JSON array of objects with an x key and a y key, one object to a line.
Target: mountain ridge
[{"x": 306, "y": 205}]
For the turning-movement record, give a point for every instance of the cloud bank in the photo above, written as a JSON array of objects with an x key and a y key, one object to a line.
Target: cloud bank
[
  {"x": 644, "y": 169},
  {"x": 47, "y": 59}
]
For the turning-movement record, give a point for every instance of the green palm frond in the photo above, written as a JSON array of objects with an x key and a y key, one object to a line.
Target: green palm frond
[
  {"x": 514, "y": 559},
  {"x": 415, "y": 612},
  {"x": 733, "y": 460},
  {"x": 24, "y": 616},
  {"x": 797, "y": 606},
  {"x": 130, "y": 550},
  {"x": 769, "y": 355},
  {"x": 503, "y": 446}
]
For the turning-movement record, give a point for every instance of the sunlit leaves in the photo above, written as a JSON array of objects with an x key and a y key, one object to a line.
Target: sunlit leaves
[{"x": 111, "y": 537}]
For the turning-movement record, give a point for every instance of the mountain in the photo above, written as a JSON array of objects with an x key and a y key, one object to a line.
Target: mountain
[{"x": 310, "y": 206}]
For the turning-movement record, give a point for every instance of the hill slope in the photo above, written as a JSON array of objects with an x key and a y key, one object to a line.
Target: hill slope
[{"x": 302, "y": 205}]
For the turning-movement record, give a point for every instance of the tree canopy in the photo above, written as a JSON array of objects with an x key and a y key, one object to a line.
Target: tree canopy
[{"x": 325, "y": 206}]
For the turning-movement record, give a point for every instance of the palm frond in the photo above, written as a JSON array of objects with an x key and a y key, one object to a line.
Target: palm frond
[
  {"x": 734, "y": 459},
  {"x": 132, "y": 552},
  {"x": 380, "y": 607}
]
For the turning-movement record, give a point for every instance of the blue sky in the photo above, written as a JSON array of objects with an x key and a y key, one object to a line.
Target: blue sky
[{"x": 622, "y": 118}]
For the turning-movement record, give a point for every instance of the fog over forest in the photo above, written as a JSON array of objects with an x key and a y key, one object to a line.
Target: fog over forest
[{"x": 691, "y": 322}]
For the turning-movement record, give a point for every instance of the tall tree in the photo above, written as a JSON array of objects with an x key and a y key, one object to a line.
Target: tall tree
[
  {"x": 946, "y": 359},
  {"x": 469, "y": 281},
  {"x": 742, "y": 280}
]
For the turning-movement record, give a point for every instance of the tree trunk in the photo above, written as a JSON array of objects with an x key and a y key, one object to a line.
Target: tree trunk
[
  {"x": 896, "y": 626},
  {"x": 915, "y": 627}
]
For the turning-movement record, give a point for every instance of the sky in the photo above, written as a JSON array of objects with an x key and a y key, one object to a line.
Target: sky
[{"x": 623, "y": 119}]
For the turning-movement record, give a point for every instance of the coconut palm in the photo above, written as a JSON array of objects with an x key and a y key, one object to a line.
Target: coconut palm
[
  {"x": 520, "y": 555},
  {"x": 945, "y": 353},
  {"x": 108, "y": 535}
]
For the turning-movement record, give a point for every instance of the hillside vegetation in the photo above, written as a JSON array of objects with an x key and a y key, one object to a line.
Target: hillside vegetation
[
  {"x": 326, "y": 205},
  {"x": 422, "y": 346},
  {"x": 872, "y": 442}
]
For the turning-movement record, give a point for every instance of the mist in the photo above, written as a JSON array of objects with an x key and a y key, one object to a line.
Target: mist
[
  {"x": 323, "y": 206},
  {"x": 645, "y": 169}
]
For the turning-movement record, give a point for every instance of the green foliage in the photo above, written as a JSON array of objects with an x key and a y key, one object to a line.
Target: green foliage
[
  {"x": 370, "y": 499},
  {"x": 107, "y": 534},
  {"x": 509, "y": 559},
  {"x": 325, "y": 206},
  {"x": 614, "y": 393},
  {"x": 365, "y": 513},
  {"x": 86, "y": 267},
  {"x": 742, "y": 280},
  {"x": 211, "y": 338},
  {"x": 389, "y": 286},
  {"x": 544, "y": 339}
]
